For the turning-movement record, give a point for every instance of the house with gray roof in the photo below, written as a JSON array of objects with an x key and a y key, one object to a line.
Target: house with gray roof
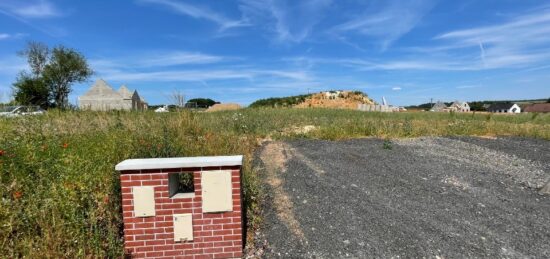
[
  {"x": 439, "y": 107},
  {"x": 102, "y": 97},
  {"x": 506, "y": 107}
]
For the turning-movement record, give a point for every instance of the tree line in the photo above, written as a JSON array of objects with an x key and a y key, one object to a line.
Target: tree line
[{"x": 52, "y": 73}]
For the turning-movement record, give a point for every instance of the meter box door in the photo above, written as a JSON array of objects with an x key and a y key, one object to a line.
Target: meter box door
[
  {"x": 144, "y": 201},
  {"x": 183, "y": 227},
  {"x": 217, "y": 195}
]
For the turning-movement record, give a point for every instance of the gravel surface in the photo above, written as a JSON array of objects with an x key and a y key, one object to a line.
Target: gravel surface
[{"x": 424, "y": 197}]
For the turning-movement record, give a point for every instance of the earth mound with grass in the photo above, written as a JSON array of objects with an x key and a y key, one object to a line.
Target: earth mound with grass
[{"x": 336, "y": 99}]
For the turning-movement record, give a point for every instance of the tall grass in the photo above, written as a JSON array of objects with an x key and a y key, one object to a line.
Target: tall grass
[{"x": 59, "y": 193}]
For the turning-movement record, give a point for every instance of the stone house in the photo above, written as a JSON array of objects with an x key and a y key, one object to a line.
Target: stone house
[
  {"x": 439, "y": 107},
  {"x": 102, "y": 97}
]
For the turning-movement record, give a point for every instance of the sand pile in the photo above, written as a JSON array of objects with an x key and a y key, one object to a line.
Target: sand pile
[{"x": 223, "y": 107}]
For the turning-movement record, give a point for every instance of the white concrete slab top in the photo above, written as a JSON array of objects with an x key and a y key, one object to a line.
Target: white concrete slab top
[{"x": 178, "y": 162}]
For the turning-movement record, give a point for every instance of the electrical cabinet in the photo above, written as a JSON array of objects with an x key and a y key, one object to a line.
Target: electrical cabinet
[
  {"x": 144, "y": 201},
  {"x": 216, "y": 191},
  {"x": 183, "y": 227}
]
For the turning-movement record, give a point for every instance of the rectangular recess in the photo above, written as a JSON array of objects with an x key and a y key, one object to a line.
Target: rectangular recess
[
  {"x": 216, "y": 191},
  {"x": 144, "y": 201},
  {"x": 183, "y": 227}
]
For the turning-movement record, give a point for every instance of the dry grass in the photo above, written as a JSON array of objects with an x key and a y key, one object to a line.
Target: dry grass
[{"x": 60, "y": 194}]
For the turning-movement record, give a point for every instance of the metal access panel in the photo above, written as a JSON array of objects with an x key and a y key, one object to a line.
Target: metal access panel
[
  {"x": 183, "y": 227},
  {"x": 216, "y": 191},
  {"x": 144, "y": 201}
]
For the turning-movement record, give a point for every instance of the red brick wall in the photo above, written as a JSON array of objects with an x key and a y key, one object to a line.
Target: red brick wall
[{"x": 216, "y": 235}]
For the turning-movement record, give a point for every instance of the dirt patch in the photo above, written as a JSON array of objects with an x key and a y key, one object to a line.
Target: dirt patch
[{"x": 274, "y": 157}]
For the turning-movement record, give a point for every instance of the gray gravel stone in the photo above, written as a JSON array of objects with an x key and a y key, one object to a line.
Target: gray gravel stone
[{"x": 425, "y": 197}]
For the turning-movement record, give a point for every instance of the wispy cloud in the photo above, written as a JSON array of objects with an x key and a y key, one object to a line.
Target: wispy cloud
[
  {"x": 31, "y": 9},
  {"x": 389, "y": 22},
  {"x": 520, "y": 41},
  {"x": 200, "y": 75},
  {"x": 198, "y": 12},
  {"x": 396, "y": 88},
  {"x": 291, "y": 21},
  {"x": 172, "y": 66},
  {"x": 6, "y": 36}
]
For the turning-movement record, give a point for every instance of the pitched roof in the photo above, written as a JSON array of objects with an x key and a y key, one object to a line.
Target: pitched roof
[
  {"x": 100, "y": 89},
  {"x": 125, "y": 92},
  {"x": 500, "y": 106},
  {"x": 439, "y": 105},
  {"x": 538, "y": 107}
]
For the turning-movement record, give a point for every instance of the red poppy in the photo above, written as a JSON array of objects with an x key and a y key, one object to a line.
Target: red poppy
[
  {"x": 106, "y": 199},
  {"x": 17, "y": 195},
  {"x": 2, "y": 152},
  {"x": 65, "y": 145}
]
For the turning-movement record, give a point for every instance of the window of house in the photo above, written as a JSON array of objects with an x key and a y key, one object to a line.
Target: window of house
[{"x": 180, "y": 185}]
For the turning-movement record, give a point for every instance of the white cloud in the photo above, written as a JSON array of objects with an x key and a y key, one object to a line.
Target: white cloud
[
  {"x": 6, "y": 36},
  {"x": 396, "y": 88},
  {"x": 388, "y": 23},
  {"x": 31, "y": 9},
  {"x": 291, "y": 21},
  {"x": 198, "y": 12},
  {"x": 200, "y": 75},
  {"x": 520, "y": 41}
]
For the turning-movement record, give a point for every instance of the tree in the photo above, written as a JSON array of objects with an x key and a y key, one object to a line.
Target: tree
[
  {"x": 66, "y": 67},
  {"x": 31, "y": 91},
  {"x": 201, "y": 102},
  {"x": 37, "y": 55},
  {"x": 177, "y": 98},
  {"x": 56, "y": 70}
]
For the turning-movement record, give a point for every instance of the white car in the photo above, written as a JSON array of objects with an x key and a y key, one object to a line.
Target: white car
[{"x": 14, "y": 111}]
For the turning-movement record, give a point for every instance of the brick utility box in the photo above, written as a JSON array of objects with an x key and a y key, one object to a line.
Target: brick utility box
[{"x": 186, "y": 207}]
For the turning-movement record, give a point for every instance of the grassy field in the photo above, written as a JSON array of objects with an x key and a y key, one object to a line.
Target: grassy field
[{"x": 60, "y": 194}]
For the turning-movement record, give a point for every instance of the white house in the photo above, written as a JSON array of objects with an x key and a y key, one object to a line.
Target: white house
[
  {"x": 460, "y": 106},
  {"x": 504, "y": 108}
]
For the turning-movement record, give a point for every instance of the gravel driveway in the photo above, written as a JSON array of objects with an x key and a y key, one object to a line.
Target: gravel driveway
[{"x": 424, "y": 197}]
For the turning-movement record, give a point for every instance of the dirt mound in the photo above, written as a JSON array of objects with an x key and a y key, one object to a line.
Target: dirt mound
[
  {"x": 223, "y": 107},
  {"x": 335, "y": 99}
]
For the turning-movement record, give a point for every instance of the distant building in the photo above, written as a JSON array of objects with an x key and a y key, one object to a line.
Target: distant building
[
  {"x": 537, "y": 107},
  {"x": 439, "y": 107},
  {"x": 504, "y": 108},
  {"x": 459, "y": 106},
  {"x": 102, "y": 97}
]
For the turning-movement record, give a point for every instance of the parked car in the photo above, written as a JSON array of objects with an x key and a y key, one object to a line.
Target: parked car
[{"x": 14, "y": 111}]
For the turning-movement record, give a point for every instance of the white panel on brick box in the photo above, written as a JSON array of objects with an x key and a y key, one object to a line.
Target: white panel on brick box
[
  {"x": 216, "y": 191},
  {"x": 183, "y": 227},
  {"x": 144, "y": 201}
]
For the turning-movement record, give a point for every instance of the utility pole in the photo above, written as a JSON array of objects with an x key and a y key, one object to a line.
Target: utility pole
[{"x": 431, "y": 102}]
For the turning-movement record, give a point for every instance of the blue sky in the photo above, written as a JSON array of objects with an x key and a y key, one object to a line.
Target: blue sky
[{"x": 243, "y": 50}]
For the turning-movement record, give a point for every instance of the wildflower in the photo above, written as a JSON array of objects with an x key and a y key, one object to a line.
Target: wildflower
[
  {"x": 106, "y": 199},
  {"x": 17, "y": 195},
  {"x": 2, "y": 152},
  {"x": 65, "y": 145}
]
